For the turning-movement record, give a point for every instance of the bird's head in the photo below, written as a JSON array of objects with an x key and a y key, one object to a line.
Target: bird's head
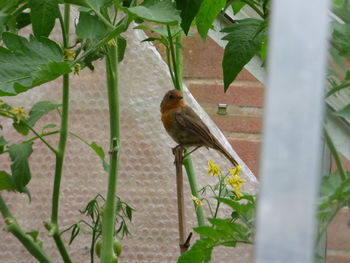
[{"x": 172, "y": 99}]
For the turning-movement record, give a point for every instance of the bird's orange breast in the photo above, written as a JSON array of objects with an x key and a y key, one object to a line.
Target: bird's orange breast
[{"x": 168, "y": 118}]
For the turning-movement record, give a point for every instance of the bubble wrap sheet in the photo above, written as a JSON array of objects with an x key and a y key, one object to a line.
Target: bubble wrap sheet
[{"x": 147, "y": 173}]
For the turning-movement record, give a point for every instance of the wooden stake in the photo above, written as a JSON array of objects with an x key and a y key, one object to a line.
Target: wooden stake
[{"x": 184, "y": 244}]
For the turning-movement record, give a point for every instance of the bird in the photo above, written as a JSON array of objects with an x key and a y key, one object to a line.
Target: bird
[{"x": 185, "y": 127}]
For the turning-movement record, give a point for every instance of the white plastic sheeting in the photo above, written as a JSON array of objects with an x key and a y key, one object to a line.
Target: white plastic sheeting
[
  {"x": 292, "y": 148},
  {"x": 147, "y": 173}
]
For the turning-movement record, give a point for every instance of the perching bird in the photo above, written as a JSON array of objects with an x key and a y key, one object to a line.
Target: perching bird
[{"x": 185, "y": 126}]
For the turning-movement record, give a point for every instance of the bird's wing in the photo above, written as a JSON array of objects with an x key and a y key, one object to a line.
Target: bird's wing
[{"x": 189, "y": 120}]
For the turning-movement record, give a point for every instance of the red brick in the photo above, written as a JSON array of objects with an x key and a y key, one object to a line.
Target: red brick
[
  {"x": 203, "y": 59},
  {"x": 338, "y": 259},
  {"x": 249, "y": 152},
  {"x": 241, "y": 95},
  {"x": 238, "y": 123},
  {"x": 345, "y": 163},
  {"x": 339, "y": 231}
]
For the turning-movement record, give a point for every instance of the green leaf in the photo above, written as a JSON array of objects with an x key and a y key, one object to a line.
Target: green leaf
[
  {"x": 344, "y": 112},
  {"x": 76, "y": 2},
  {"x": 159, "y": 11},
  {"x": 22, "y": 20},
  {"x": 43, "y": 15},
  {"x": 5, "y": 181},
  {"x": 233, "y": 204},
  {"x": 37, "y": 111},
  {"x": 26, "y": 64},
  {"x": 338, "y": 2},
  {"x": 21, "y": 127},
  {"x": 40, "y": 109},
  {"x": 208, "y": 231},
  {"x": 341, "y": 38},
  {"x": 19, "y": 154},
  {"x": 189, "y": 10},
  {"x": 128, "y": 212},
  {"x": 90, "y": 27},
  {"x": 97, "y": 4},
  {"x": 243, "y": 44},
  {"x": 3, "y": 19},
  {"x": 48, "y": 126},
  {"x": 191, "y": 256},
  {"x": 121, "y": 44},
  {"x": 199, "y": 252},
  {"x": 207, "y": 14},
  {"x": 237, "y": 6},
  {"x": 100, "y": 152},
  {"x": 3, "y": 142}
]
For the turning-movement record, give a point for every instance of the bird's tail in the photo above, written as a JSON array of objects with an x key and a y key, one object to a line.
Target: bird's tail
[{"x": 225, "y": 153}]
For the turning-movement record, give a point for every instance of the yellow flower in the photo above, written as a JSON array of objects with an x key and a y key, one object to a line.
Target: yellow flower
[
  {"x": 235, "y": 181},
  {"x": 77, "y": 68},
  {"x": 69, "y": 54},
  {"x": 214, "y": 169},
  {"x": 196, "y": 201},
  {"x": 238, "y": 194},
  {"x": 235, "y": 171},
  {"x": 19, "y": 113},
  {"x": 112, "y": 42}
]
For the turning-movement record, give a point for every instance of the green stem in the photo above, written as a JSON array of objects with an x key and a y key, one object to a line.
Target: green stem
[
  {"x": 101, "y": 17},
  {"x": 178, "y": 60},
  {"x": 169, "y": 65},
  {"x": 338, "y": 88},
  {"x": 117, "y": 30},
  {"x": 335, "y": 154},
  {"x": 218, "y": 202},
  {"x": 61, "y": 148},
  {"x": 108, "y": 223},
  {"x": 177, "y": 66},
  {"x": 173, "y": 59},
  {"x": 254, "y": 7},
  {"x": 194, "y": 188},
  {"x": 41, "y": 138},
  {"x": 42, "y": 135},
  {"x": 12, "y": 226}
]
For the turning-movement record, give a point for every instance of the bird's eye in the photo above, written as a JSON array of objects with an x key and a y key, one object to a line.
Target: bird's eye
[{"x": 171, "y": 96}]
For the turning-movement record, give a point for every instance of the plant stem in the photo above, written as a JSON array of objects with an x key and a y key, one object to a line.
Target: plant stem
[
  {"x": 173, "y": 59},
  {"x": 253, "y": 6},
  {"x": 120, "y": 28},
  {"x": 42, "y": 135},
  {"x": 12, "y": 226},
  {"x": 178, "y": 60},
  {"x": 335, "y": 154},
  {"x": 41, "y": 138},
  {"x": 169, "y": 65},
  {"x": 108, "y": 223},
  {"x": 102, "y": 17},
  {"x": 177, "y": 66},
  {"x": 218, "y": 202},
  {"x": 194, "y": 188},
  {"x": 61, "y": 148}
]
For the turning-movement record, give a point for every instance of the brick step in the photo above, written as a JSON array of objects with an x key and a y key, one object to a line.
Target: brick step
[{"x": 238, "y": 94}]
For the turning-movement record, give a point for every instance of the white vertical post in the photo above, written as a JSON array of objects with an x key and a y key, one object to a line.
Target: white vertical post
[{"x": 291, "y": 151}]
